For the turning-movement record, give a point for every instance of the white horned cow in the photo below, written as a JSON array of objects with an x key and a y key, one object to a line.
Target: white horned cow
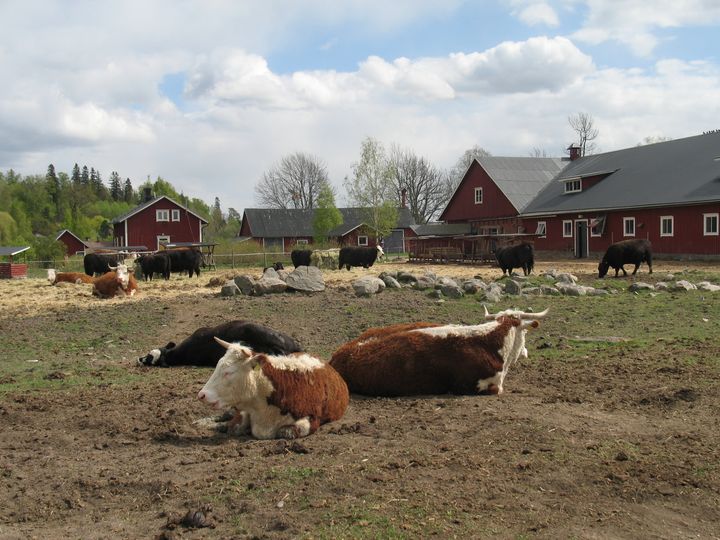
[
  {"x": 425, "y": 358},
  {"x": 275, "y": 396},
  {"x": 119, "y": 281},
  {"x": 68, "y": 277}
]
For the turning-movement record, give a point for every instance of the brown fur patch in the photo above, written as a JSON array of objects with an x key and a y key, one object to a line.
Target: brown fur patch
[
  {"x": 412, "y": 363},
  {"x": 320, "y": 394},
  {"x": 107, "y": 285},
  {"x": 73, "y": 277}
]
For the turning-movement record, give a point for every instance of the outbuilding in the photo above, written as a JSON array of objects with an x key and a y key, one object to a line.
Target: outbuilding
[{"x": 9, "y": 267}]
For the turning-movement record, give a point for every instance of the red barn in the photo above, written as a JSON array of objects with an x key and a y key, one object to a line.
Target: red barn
[
  {"x": 668, "y": 193},
  {"x": 10, "y": 269},
  {"x": 158, "y": 220},
  {"x": 73, "y": 244}
]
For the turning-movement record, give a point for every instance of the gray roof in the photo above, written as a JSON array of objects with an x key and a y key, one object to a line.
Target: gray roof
[
  {"x": 441, "y": 229},
  {"x": 11, "y": 251},
  {"x": 143, "y": 206},
  {"x": 293, "y": 223},
  {"x": 521, "y": 178},
  {"x": 681, "y": 171}
]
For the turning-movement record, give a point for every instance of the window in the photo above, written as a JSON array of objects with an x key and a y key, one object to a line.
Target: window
[
  {"x": 573, "y": 186},
  {"x": 362, "y": 240},
  {"x": 666, "y": 225},
  {"x": 302, "y": 241},
  {"x": 567, "y": 228},
  {"x": 176, "y": 215},
  {"x": 492, "y": 230},
  {"x": 597, "y": 226},
  {"x": 711, "y": 224},
  {"x": 629, "y": 226},
  {"x": 541, "y": 228},
  {"x": 478, "y": 195},
  {"x": 162, "y": 215}
]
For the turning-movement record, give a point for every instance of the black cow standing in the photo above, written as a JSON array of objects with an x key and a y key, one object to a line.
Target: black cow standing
[
  {"x": 359, "y": 256},
  {"x": 519, "y": 256},
  {"x": 155, "y": 263},
  {"x": 185, "y": 260},
  {"x": 626, "y": 252},
  {"x": 300, "y": 257},
  {"x": 100, "y": 263},
  {"x": 201, "y": 349}
]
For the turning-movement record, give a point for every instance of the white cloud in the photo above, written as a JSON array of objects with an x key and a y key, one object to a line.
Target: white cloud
[{"x": 535, "y": 13}]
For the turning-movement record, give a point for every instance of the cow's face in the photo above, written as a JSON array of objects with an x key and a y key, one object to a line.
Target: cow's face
[
  {"x": 123, "y": 274},
  {"x": 51, "y": 275},
  {"x": 380, "y": 251},
  {"x": 603, "y": 268},
  {"x": 227, "y": 383},
  {"x": 156, "y": 357}
]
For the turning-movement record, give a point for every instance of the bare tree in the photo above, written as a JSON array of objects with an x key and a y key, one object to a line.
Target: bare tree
[
  {"x": 538, "y": 152},
  {"x": 295, "y": 182},
  {"x": 456, "y": 173},
  {"x": 423, "y": 184},
  {"x": 583, "y": 125}
]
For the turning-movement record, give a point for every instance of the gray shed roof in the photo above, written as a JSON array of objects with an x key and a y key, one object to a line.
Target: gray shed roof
[
  {"x": 11, "y": 251},
  {"x": 292, "y": 223},
  {"x": 681, "y": 171},
  {"x": 441, "y": 229}
]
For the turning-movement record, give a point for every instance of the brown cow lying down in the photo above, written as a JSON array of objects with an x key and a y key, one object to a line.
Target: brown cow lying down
[
  {"x": 275, "y": 396},
  {"x": 426, "y": 358},
  {"x": 68, "y": 277},
  {"x": 119, "y": 282}
]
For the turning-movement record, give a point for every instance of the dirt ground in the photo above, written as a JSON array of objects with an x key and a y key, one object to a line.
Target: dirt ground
[{"x": 625, "y": 447}]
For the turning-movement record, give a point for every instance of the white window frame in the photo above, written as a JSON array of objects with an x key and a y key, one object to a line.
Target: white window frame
[
  {"x": 162, "y": 215},
  {"x": 175, "y": 214},
  {"x": 360, "y": 242},
  {"x": 301, "y": 241},
  {"x": 567, "y": 223},
  {"x": 478, "y": 191},
  {"x": 705, "y": 224},
  {"x": 164, "y": 238},
  {"x": 627, "y": 220},
  {"x": 541, "y": 225},
  {"x": 573, "y": 186},
  {"x": 671, "y": 219}
]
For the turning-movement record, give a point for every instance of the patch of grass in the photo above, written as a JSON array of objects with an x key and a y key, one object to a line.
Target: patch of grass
[{"x": 293, "y": 475}]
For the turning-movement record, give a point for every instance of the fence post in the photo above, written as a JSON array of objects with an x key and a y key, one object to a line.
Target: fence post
[{"x": 232, "y": 258}]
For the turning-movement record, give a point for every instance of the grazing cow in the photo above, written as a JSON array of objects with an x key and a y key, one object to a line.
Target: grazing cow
[
  {"x": 359, "y": 256},
  {"x": 119, "y": 281},
  {"x": 519, "y": 256},
  {"x": 182, "y": 260},
  {"x": 283, "y": 397},
  {"x": 300, "y": 257},
  {"x": 422, "y": 358},
  {"x": 68, "y": 277},
  {"x": 626, "y": 252},
  {"x": 155, "y": 263},
  {"x": 201, "y": 349}
]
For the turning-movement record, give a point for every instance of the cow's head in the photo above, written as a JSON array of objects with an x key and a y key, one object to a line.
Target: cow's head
[
  {"x": 603, "y": 268},
  {"x": 380, "y": 251},
  {"x": 227, "y": 384},
  {"x": 123, "y": 274},
  {"x": 157, "y": 357},
  {"x": 51, "y": 275}
]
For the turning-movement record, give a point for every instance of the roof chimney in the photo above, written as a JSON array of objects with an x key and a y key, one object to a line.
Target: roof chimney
[
  {"x": 574, "y": 150},
  {"x": 147, "y": 194},
  {"x": 403, "y": 198}
]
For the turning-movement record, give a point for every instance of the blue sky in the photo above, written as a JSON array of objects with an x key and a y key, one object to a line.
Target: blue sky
[{"x": 211, "y": 95}]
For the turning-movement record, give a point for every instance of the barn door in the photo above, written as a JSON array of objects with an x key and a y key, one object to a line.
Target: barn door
[{"x": 581, "y": 239}]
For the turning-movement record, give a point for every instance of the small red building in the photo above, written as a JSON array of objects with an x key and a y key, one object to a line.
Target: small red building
[
  {"x": 158, "y": 220},
  {"x": 11, "y": 269},
  {"x": 668, "y": 193},
  {"x": 73, "y": 244}
]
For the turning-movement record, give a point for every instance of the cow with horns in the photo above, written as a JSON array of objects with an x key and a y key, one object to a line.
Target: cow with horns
[
  {"x": 282, "y": 397},
  {"x": 425, "y": 358}
]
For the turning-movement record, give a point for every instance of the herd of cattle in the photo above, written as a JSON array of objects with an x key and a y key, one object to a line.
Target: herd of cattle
[{"x": 273, "y": 389}]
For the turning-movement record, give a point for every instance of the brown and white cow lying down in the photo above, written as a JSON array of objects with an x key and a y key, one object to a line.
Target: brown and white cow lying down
[
  {"x": 119, "y": 281},
  {"x": 275, "y": 396},
  {"x": 425, "y": 358},
  {"x": 68, "y": 277}
]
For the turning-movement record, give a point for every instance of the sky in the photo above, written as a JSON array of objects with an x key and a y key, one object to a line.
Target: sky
[{"x": 211, "y": 94}]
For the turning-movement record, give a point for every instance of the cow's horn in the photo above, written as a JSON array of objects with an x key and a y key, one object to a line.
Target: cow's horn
[
  {"x": 535, "y": 316},
  {"x": 487, "y": 313},
  {"x": 223, "y": 342}
]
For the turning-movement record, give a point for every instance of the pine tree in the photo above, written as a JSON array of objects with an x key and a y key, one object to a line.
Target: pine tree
[
  {"x": 85, "y": 176},
  {"x": 128, "y": 193},
  {"x": 97, "y": 184},
  {"x": 116, "y": 189},
  {"x": 53, "y": 188},
  {"x": 216, "y": 217},
  {"x": 75, "y": 175}
]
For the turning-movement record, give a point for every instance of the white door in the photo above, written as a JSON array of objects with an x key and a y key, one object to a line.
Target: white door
[{"x": 162, "y": 239}]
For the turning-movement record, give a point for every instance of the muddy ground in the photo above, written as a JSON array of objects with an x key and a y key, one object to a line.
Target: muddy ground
[{"x": 596, "y": 439}]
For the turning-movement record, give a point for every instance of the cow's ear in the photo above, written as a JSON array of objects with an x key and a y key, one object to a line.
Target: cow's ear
[{"x": 170, "y": 345}]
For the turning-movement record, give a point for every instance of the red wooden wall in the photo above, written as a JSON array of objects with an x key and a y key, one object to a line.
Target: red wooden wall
[{"x": 462, "y": 206}]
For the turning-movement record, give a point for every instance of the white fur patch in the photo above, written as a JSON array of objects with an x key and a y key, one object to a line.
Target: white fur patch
[
  {"x": 155, "y": 353},
  {"x": 300, "y": 362},
  {"x": 303, "y": 426},
  {"x": 458, "y": 330}
]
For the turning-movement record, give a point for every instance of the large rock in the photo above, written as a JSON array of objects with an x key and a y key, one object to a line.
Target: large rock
[
  {"x": 442, "y": 281},
  {"x": 493, "y": 293},
  {"x": 270, "y": 272},
  {"x": 566, "y": 278},
  {"x": 452, "y": 291},
  {"x": 471, "y": 286},
  {"x": 707, "y": 286},
  {"x": 683, "y": 285},
  {"x": 390, "y": 282},
  {"x": 640, "y": 286},
  {"x": 569, "y": 289},
  {"x": 368, "y": 285},
  {"x": 550, "y": 291},
  {"x": 229, "y": 289},
  {"x": 306, "y": 279},
  {"x": 512, "y": 287},
  {"x": 245, "y": 283},
  {"x": 424, "y": 282},
  {"x": 269, "y": 285},
  {"x": 406, "y": 277}
]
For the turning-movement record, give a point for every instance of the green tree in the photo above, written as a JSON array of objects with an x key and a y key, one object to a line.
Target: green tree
[
  {"x": 47, "y": 249},
  {"x": 327, "y": 216},
  {"x": 371, "y": 188},
  {"x": 53, "y": 188},
  {"x": 75, "y": 177},
  {"x": 8, "y": 229},
  {"x": 217, "y": 222},
  {"x": 85, "y": 176},
  {"x": 97, "y": 184},
  {"x": 116, "y": 188},
  {"x": 128, "y": 193}
]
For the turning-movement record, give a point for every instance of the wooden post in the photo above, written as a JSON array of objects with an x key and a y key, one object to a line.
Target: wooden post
[{"x": 232, "y": 257}]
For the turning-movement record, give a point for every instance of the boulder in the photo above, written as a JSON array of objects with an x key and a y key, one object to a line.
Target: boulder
[
  {"x": 269, "y": 285},
  {"x": 229, "y": 289},
  {"x": 551, "y": 291},
  {"x": 423, "y": 283},
  {"x": 471, "y": 286},
  {"x": 532, "y": 291},
  {"x": 245, "y": 283},
  {"x": 390, "y": 281},
  {"x": 435, "y": 294},
  {"x": 406, "y": 277},
  {"x": 661, "y": 286},
  {"x": 493, "y": 293},
  {"x": 452, "y": 291},
  {"x": 640, "y": 286},
  {"x": 512, "y": 287},
  {"x": 570, "y": 289},
  {"x": 566, "y": 278},
  {"x": 683, "y": 285},
  {"x": 270, "y": 273},
  {"x": 368, "y": 285},
  {"x": 306, "y": 279},
  {"x": 707, "y": 286}
]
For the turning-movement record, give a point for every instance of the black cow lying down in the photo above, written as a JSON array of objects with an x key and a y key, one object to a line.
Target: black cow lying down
[{"x": 201, "y": 349}]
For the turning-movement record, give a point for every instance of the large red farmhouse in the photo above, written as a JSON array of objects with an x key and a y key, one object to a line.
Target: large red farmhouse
[
  {"x": 282, "y": 229},
  {"x": 668, "y": 193},
  {"x": 158, "y": 220},
  {"x": 484, "y": 209}
]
